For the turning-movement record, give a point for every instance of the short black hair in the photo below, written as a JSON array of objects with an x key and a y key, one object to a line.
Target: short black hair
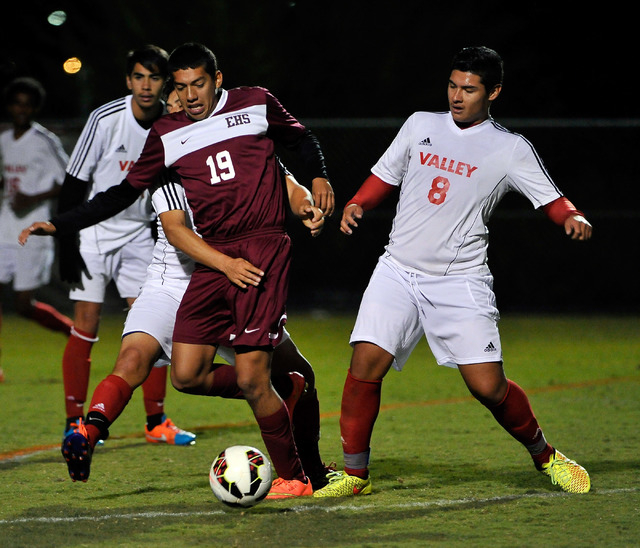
[
  {"x": 28, "y": 85},
  {"x": 193, "y": 55},
  {"x": 151, "y": 57},
  {"x": 482, "y": 61}
]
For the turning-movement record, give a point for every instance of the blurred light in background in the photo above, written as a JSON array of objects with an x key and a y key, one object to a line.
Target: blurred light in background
[
  {"x": 72, "y": 65},
  {"x": 57, "y": 18}
]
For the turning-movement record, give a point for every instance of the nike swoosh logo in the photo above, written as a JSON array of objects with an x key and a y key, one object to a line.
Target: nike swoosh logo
[
  {"x": 251, "y": 330},
  {"x": 183, "y": 141}
]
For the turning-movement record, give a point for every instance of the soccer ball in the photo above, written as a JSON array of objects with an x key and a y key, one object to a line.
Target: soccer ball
[{"x": 240, "y": 476}]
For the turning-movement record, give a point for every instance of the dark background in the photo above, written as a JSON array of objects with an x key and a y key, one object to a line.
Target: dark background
[{"x": 352, "y": 72}]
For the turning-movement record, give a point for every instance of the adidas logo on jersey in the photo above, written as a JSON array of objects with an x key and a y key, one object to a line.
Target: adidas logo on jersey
[
  {"x": 490, "y": 348},
  {"x": 425, "y": 142},
  {"x": 121, "y": 148}
]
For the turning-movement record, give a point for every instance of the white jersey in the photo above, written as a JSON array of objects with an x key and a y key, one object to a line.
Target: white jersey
[
  {"x": 109, "y": 145},
  {"x": 32, "y": 164},
  {"x": 451, "y": 180},
  {"x": 169, "y": 264}
]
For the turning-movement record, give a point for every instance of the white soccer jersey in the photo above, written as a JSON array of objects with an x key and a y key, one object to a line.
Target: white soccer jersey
[
  {"x": 109, "y": 145},
  {"x": 169, "y": 264},
  {"x": 451, "y": 180},
  {"x": 31, "y": 164}
]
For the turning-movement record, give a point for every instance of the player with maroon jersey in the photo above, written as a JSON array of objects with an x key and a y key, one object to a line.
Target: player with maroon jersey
[{"x": 222, "y": 147}]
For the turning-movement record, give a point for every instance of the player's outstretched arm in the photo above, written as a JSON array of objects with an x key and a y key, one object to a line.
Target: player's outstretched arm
[
  {"x": 563, "y": 213},
  {"x": 372, "y": 192},
  {"x": 578, "y": 228},
  {"x": 239, "y": 271},
  {"x": 302, "y": 205},
  {"x": 43, "y": 228}
]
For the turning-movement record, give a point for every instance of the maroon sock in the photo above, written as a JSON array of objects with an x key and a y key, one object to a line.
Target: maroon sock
[
  {"x": 278, "y": 439},
  {"x": 76, "y": 366},
  {"x": 49, "y": 317},
  {"x": 154, "y": 390},
  {"x": 515, "y": 415},
  {"x": 359, "y": 411},
  {"x": 225, "y": 383}
]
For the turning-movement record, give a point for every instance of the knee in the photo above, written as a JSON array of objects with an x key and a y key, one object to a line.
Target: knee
[
  {"x": 132, "y": 366},
  {"x": 489, "y": 392},
  {"x": 182, "y": 381}
]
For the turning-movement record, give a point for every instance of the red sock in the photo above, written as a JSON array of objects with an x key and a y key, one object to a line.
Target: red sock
[
  {"x": 515, "y": 415},
  {"x": 278, "y": 439},
  {"x": 359, "y": 411},
  {"x": 154, "y": 390},
  {"x": 109, "y": 399},
  {"x": 76, "y": 366},
  {"x": 49, "y": 317},
  {"x": 225, "y": 383}
]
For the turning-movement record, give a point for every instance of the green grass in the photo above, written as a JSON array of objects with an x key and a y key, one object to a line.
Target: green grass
[{"x": 443, "y": 472}]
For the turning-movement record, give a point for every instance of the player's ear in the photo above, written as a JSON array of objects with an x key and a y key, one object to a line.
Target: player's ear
[
  {"x": 218, "y": 79},
  {"x": 129, "y": 85},
  {"x": 493, "y": 95}
]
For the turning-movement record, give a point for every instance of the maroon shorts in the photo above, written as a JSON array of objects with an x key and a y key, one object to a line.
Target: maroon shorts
[{"x": 215, "y": 311}]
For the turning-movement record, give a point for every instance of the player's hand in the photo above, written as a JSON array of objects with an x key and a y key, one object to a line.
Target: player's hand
[
  {"x": 349, "y": 218},
  {"x": 323, "y": 196},
  {"x": 241, "y": 272},
  {"x": 37, "y": 229},
  {"x": 313, "y": 218},
  {"x": 578, "y": 228}
]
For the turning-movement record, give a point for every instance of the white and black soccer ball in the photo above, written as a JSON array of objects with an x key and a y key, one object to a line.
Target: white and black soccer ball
[{"x": 240, "y": 476}]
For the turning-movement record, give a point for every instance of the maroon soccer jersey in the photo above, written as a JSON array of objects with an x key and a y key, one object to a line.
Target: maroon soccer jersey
[{"x": 226, "y": 162}]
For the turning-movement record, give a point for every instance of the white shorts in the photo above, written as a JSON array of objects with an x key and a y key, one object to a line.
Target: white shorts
[
  {"x": 457, "y": 314},
  {"x": 154, "y": 313},
  {"x": 127, "y": 267},
  {"x": 29, "y": 267}
]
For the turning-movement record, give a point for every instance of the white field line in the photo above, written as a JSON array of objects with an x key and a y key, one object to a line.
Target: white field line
[{"x": 354, "y": 507}]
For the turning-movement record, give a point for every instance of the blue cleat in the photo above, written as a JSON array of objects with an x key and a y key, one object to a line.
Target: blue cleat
[{"x": 77, "y": 451}]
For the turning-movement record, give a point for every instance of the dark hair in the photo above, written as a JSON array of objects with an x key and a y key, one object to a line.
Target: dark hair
[
  {"x": 27, "y": 85},
  {"x": 151, "y": 57},
  {"x": 482, "y": 61},
  {"x": 193, "y": 55}
]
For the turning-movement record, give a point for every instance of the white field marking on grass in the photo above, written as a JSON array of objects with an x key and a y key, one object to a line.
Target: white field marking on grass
[{"x": 314, "y": 508}]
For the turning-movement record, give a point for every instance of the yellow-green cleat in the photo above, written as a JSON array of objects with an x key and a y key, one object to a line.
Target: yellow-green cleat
[
  {"x": 344, "y": 485},
  {"x": 567, "y": 473}
]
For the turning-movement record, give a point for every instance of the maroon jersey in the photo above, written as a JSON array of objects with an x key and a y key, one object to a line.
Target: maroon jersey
[{"x": 226, "y": 162}]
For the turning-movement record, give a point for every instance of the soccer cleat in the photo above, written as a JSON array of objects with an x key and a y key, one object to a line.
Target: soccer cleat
[
  {"x": 344, "y": 485},
  {"x": 566, "y": 473},
  {"x": 287, "y": 489},
  {"x": 299, "y": 387},
  {"x": 167, "y": 432},
  {"x": 77, "y": 451},
  {"x": 70, "y": 431}
]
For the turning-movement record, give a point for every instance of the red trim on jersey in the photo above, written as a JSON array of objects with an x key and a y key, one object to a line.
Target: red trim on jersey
[
  {"x": 560, "y": 210},
  {"x": 372, "y": 192}
]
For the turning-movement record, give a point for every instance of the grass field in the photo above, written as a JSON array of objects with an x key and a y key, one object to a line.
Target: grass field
[{"x": 443, "y": 472}]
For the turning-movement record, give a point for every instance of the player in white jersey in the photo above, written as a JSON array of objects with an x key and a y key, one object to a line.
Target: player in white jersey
[
  {"x": 452, "y": 169},
  {"x": 33, "y": 162},
  {"x": 118, "y": 249}
]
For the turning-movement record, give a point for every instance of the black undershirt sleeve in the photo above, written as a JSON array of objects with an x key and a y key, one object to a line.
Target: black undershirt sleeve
[{"x": 102, "y": 206}]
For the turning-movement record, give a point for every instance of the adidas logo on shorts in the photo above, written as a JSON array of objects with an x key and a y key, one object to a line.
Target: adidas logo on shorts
[{"x": 490, "y": 348}]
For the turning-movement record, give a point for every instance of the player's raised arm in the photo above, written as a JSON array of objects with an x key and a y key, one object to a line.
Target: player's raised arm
[
  {"x": 102, "y": 206},
  {"x": 372, "y": 192}
]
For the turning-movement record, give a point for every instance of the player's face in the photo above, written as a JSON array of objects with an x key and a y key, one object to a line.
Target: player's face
[
  {"x": 197, "y": 91},
  {"x": 21, "y": 110},
  {"x": 173, "y": 102},
  {"x": 146, "y": 87},
  {"x": 469, "y": 100}
]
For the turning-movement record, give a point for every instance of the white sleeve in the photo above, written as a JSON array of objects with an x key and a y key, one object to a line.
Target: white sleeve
[
  {"x": 88, "y": 150},
  {"x": 529, "y": 177},
  {"x": 393, "y": 164},
  {"x": 168, "y": 197}
]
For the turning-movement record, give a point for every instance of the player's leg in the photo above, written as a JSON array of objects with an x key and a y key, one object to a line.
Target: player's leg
[
  {"x": 287, "y": 358},
  {"x": 138, "y": 352},
  {"x": 76, "y": 359},
  {"x": 42, "y": 313},
  {"x": 510, "y": 406}
]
